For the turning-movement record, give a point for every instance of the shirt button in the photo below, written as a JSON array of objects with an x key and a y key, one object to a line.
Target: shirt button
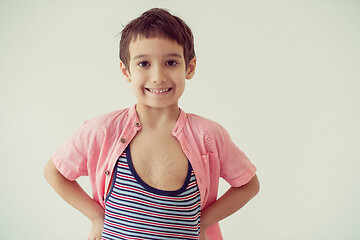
[
  {"x": 107, "y": 172},
  {"x": 137, "y": 124},
  {"x": 123, "y": 140}
]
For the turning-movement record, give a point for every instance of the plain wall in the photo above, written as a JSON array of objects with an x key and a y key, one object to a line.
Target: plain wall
[{"x": 283, "y": 77}]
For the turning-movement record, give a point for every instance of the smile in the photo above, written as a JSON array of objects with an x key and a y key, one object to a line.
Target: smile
[{"x": 158, "y": 91}]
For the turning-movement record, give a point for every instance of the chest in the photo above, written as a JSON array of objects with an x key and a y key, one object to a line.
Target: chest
[
  {"x": 159, "y": 161},
  {"x": 134, "y": 210}
]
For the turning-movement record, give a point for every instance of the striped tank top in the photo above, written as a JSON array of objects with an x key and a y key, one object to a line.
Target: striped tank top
[{"x": 135, "y": 210}]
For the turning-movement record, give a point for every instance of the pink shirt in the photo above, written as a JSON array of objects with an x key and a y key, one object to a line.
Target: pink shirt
[{"x": 95, "y": 147}]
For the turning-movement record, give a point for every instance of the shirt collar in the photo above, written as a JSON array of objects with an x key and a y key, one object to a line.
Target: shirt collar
[
  {"x": 134, "y": 118},
  {"x": 180, "y": 123}
]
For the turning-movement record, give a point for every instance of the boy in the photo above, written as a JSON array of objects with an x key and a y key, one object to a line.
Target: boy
[{"x": 154, "y": 169}]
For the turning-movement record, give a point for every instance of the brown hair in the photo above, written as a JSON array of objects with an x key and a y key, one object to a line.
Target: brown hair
[{"x": 157, "y": 22}]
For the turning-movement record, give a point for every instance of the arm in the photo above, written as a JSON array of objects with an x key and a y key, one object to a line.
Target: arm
[
  {"x": 227, "y": 204},
  {"x": 73, "y": 194}
]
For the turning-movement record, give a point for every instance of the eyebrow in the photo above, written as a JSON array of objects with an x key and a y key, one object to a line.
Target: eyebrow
[{"x": 175, "y": 55}]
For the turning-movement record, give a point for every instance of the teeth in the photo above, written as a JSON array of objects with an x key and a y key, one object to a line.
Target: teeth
[{"x": 159, "y": 91}]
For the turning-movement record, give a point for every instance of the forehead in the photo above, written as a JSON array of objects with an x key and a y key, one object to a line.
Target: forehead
[{"x": 154, "y": 47}]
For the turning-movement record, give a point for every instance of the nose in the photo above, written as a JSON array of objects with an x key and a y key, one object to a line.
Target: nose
[{"x": 158, "y": 74}]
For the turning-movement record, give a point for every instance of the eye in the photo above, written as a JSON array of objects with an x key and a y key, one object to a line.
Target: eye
[
  {"x": 143, "y": 64},
  {"x": 171, "y": 63}
]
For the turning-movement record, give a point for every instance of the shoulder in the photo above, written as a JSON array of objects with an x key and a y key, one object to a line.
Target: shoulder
[
  {"x": 108, "y": 119},
  {"x": 208, "y": 131},
  {"x": 209, "y": 135},
  {"x": 204, "y": 124},
  {"x": 104, "y": 124}
]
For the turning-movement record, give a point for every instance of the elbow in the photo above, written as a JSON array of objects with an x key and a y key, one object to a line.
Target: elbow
[
  {"x": 255, "y": 186},
  {"x": 48, "y": 171}
]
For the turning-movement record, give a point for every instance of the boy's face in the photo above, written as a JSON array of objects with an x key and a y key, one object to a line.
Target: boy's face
[{"x": 157, "y": 71}]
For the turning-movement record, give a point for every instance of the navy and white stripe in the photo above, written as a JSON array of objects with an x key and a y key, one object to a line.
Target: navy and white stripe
[{"x": 135, "y": 210}]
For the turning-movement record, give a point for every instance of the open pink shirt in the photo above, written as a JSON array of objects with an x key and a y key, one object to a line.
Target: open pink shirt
[{"x": 96, "y": 146}]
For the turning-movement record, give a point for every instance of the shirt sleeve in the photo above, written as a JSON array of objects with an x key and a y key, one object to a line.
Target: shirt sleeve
[
  {"x": 71, "y": 158},
  {"x": 235, "y": 167}
]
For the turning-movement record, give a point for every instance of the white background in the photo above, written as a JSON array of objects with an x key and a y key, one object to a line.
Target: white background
[{"x": 283, "y": 77}]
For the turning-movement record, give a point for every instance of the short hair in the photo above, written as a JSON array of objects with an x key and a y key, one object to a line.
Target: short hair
[{"x": 157, "y": 22}]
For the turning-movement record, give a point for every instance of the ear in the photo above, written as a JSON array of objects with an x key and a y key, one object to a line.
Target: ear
[
  {"x": 125, "y": 72},
  {"x": 190, "y": 71}
]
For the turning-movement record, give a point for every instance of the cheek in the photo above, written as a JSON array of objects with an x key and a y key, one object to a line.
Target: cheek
[
  {"x": 137, "y": 78},
  {"x": 180, "y": 85},
  {"x": 137, "y": 86},
  {"x": 138, "y": 83}
]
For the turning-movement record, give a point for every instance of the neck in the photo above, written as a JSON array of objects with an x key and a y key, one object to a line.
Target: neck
[{"x": 156, "y": 118}]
